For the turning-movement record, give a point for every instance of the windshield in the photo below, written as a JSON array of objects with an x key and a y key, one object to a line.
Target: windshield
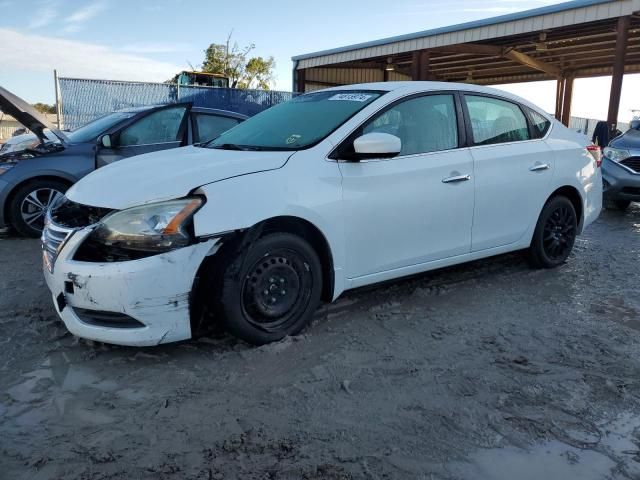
[
  {"x": 298, "y": 123},
  {"x": 93, "y": 129}
]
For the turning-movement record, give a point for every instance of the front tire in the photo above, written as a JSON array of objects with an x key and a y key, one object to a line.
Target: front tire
[
  {"x": 555, "y": 234},
  {"x": 272, "y": 290},
  {"x": 28, "y": 205}
]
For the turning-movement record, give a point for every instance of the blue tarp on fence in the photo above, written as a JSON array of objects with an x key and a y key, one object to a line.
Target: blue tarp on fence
[{"x": 84, "y": 100}]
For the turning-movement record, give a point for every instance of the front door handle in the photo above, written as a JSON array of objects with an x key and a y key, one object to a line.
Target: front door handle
[
  {"x": 539, "y": 167},
  {"x": 456, "y": 179}
]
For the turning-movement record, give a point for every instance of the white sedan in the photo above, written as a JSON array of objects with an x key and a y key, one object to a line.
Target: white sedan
[{"x": 330, "y": 191}]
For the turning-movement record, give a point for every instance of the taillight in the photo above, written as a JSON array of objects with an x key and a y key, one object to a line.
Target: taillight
[{"x": 596, "y": 153}]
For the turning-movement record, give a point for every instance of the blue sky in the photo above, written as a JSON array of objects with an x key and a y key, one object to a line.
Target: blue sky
[{"x": 136, "y": 40}]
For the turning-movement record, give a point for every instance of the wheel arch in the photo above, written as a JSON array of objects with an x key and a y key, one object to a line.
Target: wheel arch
[
  {"x": 575, "y": 198},
  {"x": 234, "y": 243}
]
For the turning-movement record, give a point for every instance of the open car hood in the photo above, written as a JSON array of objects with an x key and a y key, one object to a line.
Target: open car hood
[
  {"x": 168, "y": 174},
  {"x": 28, "y": 116}
]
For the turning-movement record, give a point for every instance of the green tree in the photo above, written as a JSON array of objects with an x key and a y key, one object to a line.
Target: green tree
[
  {"x": 234, "y": 62},
  {"x": 44, "y": 108}
]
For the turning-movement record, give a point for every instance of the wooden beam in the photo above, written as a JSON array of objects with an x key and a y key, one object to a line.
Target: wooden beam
[
  {"x": 622, "y": 38},
  {"x": 534, "y": 63},
  {"x": 494, "y": 50},
  {"x": 566, "y": 101}
]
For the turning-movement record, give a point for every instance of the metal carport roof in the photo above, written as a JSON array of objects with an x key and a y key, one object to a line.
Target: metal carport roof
[{"x": 565, "y": 41}]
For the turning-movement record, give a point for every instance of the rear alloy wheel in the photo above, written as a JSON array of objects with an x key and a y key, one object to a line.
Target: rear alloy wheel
[
  {"x": 272, "y": 290},
  {"x": 30, "y": 203},
  {"x": 555, "y": 234}
]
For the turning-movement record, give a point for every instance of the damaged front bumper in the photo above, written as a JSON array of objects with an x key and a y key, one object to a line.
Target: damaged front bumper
[{"x": 136, "y": 302}]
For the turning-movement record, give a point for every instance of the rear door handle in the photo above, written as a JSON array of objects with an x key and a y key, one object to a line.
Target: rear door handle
[
  {"x": 456, "y": 179},
  {"x": 539, "y": 167}
]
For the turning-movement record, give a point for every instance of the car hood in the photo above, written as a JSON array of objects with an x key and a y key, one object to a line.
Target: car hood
[
  {"x": 28, "y": 116},
  {"x": 169, "y": 174},
  {"x": 629, "y": 140}
]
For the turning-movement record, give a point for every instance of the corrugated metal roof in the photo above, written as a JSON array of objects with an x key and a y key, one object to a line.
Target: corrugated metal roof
[{"x": 469, "y": 31}]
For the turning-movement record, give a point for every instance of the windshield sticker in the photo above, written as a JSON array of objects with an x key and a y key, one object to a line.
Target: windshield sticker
[
  {"x": 293, "y": 139},
  {"x": 351, "y": 97}
]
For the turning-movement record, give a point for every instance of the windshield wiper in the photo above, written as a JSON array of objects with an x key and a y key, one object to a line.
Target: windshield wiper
[{"x": 228, "y": 146}]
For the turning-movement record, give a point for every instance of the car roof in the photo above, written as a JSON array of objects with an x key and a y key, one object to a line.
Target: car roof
[{"x": 420, "y": 86}]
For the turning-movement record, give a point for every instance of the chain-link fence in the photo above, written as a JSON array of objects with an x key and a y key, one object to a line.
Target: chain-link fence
[
  {"x": 588, "y": 125},
  {"x": 84, "y": 100}
]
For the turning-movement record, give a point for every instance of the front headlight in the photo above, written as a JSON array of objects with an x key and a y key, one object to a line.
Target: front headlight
[
  {"x": 141, "y": 231},
  {"x": 615, "y": 154}
]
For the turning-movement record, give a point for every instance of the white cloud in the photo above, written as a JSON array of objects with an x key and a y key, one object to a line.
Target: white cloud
[
  {"x": 86, "y": 13},
  {"x": 43, "y": 16},
  {"x": 76, "y": 20},
  {"x": 36, "y": 53}
]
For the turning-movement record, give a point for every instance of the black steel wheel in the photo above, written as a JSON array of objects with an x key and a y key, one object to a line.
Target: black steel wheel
[
  {"x": 272, "y": 290},
  {"x": 555, "y": 233}
]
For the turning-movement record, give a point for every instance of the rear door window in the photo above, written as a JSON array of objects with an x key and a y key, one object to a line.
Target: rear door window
[
  {"x": 496, "y": 121},
  {"x": 540, "y": 124}
]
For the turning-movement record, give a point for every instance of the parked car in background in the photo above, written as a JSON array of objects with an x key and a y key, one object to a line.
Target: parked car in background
[
  {"x": 34, "y": 178},
  {"x": 332, "y": 190},
  {"x": 621, "y": 169}
]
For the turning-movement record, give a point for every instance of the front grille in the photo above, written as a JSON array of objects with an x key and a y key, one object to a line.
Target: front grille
[
  {"x": 53, "y": 239},
  {"x": 633, "y": 163},
  {"x": 631, "y": 190}
]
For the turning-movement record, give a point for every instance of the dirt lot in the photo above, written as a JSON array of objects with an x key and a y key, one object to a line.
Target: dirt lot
[{"x": 489, "y": 370}]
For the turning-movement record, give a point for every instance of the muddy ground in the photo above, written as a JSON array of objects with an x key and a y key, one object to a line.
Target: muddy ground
[{"x": 489, "y": 370}]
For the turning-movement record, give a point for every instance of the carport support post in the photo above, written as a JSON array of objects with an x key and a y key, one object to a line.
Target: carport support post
[
  {"x": 618, "y": 72},
  {"x": 300, "y": 80},
  {"x": 415, "y": 66},
  {"x": 559, "y": 97},
  {"x": 566, "y": 100},
  {"x": 424, "y": 73}
]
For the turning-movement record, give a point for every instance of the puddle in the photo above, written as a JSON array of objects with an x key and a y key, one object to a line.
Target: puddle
[{"x": 618, "y": 451}]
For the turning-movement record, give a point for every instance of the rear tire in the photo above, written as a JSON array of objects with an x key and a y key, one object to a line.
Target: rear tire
[
  {"x": 28, "y": 205},
  {"x": 272, "y": 290},
  {"x": 555, "y": 234}
]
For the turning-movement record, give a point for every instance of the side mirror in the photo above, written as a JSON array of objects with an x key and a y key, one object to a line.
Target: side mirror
[
  {"x": 105, "y": 141},
  {"x": 634, "y": 125},
  {"x": 376, "y": 145}
]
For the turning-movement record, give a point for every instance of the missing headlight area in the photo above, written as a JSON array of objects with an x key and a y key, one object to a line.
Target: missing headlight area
[{"x": 75, "y": 215}]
